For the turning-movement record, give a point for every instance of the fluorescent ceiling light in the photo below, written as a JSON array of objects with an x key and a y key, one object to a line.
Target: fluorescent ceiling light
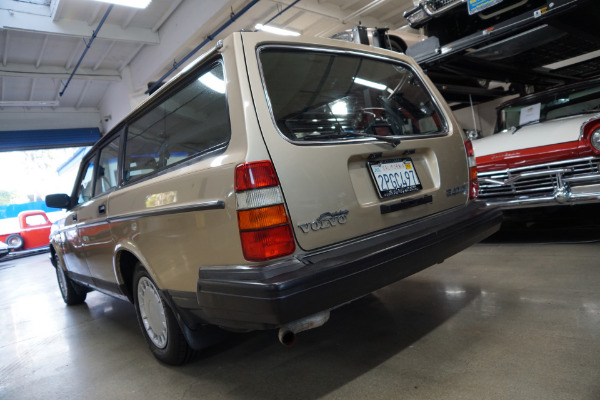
[
  {"x": 277, "y": 31},
  {"x": 128, "y": 3},
  {"x": 214, "y": 83},
  {"x": 50, "y": 103},
  {"x": 340, "y": 108},
  {"x": 370, "y": 84}
]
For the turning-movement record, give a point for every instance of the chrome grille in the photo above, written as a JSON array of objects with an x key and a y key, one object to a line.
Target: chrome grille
[{"x": 535, "y": 180}]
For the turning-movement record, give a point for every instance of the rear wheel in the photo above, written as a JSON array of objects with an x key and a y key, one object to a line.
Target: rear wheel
[
  {"x": 15, "y": 241},
  {"x": 158, "y": 322}
]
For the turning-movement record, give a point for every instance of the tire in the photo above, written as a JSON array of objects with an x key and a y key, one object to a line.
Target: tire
[
  {"x": 397, "y": 46},
  {"x": 71, "y": 292},
  {"x": 157, "y": 322},
  {"x": 15, "y": 242}
]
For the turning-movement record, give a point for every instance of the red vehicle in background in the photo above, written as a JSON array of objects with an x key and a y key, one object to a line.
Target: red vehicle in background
[{"x": 34, "y": 231}]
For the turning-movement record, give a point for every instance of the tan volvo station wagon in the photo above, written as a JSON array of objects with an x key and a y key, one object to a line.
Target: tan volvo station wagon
[{"x": 267, "y": 184}]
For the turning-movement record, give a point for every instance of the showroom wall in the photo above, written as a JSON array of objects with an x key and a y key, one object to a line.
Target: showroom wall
[{"x": 485, "y": 116}]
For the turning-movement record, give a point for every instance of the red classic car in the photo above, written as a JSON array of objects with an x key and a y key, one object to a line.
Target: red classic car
[
  {"x": 546, "y": 150},
  {"x": 34, "y": 231}
]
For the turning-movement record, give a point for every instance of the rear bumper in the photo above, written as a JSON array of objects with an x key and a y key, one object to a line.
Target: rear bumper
[{"x": 241, "y": 297}]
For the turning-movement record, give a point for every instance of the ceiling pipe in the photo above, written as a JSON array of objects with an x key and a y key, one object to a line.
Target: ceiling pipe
[
  {"x": 209, "y": 38},
  {"x": 281, "y": 12},
  {"x": 87, "y": 47}
]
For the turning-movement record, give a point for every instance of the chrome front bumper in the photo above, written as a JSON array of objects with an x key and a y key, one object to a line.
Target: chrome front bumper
[{"x": 560, "y": 183}]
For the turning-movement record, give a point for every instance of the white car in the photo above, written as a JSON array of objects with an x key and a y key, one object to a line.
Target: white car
[{"x": 546, "y": 150}]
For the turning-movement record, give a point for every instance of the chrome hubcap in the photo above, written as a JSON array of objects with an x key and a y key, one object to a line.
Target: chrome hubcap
[{"x": 152, "y": 312}]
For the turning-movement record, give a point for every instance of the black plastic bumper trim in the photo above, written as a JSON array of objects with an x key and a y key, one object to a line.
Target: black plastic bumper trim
[{"x": 237, "y": 298}]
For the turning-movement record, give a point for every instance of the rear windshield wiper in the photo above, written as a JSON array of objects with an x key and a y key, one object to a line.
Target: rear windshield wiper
[{"x": 388, "y": 139}]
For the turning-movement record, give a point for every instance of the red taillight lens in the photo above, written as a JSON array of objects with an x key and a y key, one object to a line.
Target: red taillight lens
[
  {"x": 266, "y": 244},
  {"x": 264, "y": 225},
  {"x": 473, "y": 184},
  {"x": 255, "y": 175}
]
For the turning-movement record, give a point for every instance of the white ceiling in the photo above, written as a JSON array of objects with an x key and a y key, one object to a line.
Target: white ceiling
[{"x": 41, "y": 44}]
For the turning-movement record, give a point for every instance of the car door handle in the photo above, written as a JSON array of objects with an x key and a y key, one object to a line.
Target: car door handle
[
  {"x": 74, "y": 217},
  {"x": 102, "y": 209}
]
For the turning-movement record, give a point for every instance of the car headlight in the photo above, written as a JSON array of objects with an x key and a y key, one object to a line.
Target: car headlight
[{"x": 595, "y": 139}]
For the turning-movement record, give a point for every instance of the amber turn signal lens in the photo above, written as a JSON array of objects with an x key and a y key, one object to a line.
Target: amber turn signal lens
[{"x": 260, "y": 218}]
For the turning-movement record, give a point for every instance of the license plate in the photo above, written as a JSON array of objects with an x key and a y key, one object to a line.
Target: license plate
[
  {"x": 394, "y": 177},
  {"x": 479, "y": 5}
]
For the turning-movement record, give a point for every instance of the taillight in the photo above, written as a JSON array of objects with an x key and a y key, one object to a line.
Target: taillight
[
  {"x": 591, "y": 132},
  {"x": 265, "y": 228},
  {"x": 473, "y": 184}
]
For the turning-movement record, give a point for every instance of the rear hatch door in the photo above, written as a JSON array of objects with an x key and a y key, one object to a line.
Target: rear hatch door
[{"x": 358, "y": 140}]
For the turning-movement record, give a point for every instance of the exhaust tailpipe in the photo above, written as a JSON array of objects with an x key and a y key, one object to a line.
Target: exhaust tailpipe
[{"x": 287, "y": 333}]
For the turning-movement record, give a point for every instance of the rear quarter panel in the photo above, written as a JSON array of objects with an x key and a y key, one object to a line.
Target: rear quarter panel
[{"x": 174, "y": 245}]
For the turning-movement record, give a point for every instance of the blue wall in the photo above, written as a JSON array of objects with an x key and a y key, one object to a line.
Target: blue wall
[{"x": 11, "y": 211}]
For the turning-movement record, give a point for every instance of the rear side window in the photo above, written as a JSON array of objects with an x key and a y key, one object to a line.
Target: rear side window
[
  {"x": 192, "y": 121},
  {"x": 319, "y": 95},
  {"x": 106, "y": 173},
  {"x": 86, "y": 186}
]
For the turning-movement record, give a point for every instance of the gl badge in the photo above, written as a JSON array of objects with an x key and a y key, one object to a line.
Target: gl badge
[{"x": 326, "y": 220}]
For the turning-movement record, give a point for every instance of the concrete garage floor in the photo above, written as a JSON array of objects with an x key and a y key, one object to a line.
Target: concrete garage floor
[{"x": 500, "y": 320}]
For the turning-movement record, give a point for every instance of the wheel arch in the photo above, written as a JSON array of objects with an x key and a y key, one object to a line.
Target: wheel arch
[
  {"x": 125, "y": 263},
  {"x": 395, "y": 40},
  {"x": 53, "y": 256},
  {"x": 56, "y": 257}
]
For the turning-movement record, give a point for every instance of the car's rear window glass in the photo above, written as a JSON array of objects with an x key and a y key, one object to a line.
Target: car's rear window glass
[
  {"x": 318, "y": 95},
  {"x": 194, "y": 120}
]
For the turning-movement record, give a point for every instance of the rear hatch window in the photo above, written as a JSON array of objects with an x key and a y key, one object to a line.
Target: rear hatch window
[
  {"x": 340, "y": 97},
  {"x": 358, "y": 141}
]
